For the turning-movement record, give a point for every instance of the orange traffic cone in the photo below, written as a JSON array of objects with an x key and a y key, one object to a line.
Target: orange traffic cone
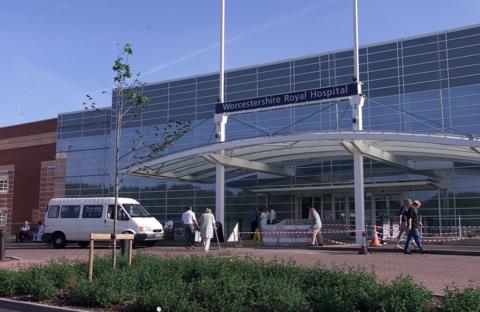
[{"x": 375, "y": 242}]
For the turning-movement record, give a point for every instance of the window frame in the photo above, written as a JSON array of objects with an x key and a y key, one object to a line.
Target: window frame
[
  {"x": 4, "y": 184},
  {"x": 62, "y": 212},
  {"x": 84, "y": 216},
  {"x": 50, "y": 210}
]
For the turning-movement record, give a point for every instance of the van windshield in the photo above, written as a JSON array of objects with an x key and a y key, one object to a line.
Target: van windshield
[{"x": 135, "y": 210}]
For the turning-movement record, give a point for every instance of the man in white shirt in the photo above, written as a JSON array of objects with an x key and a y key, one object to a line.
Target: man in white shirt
[
  {"x": 271, "y": 215},
  {"x": 189, "y": 224}
]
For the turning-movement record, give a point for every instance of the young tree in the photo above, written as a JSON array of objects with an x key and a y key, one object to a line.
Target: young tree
[{"x": 128, "y": 102}]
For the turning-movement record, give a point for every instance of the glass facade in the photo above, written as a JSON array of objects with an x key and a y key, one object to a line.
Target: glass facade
[{"x": 425, "y": 84}]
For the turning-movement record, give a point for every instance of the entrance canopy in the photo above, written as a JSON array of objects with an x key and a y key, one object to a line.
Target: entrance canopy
[{"x": 416, "y": 153}]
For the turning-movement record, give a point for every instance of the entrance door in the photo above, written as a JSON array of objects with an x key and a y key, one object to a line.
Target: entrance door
[
  {"x": 311, "y": 201},
  {"x": 387, "y": 206},
  {"x": 345, "y": 209}
]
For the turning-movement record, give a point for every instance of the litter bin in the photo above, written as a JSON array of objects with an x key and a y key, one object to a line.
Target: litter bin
[
  {"x": 3, "y": 241},
  {"x": 124, "y": 247}
]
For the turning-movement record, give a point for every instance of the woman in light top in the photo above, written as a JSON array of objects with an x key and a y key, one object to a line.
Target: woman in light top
[
  {"x": 207, "y": 226},
  {"x": 263, "y": 218}
]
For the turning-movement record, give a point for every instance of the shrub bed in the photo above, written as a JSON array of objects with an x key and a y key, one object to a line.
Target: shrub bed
[{"x": 225, "y": 284}]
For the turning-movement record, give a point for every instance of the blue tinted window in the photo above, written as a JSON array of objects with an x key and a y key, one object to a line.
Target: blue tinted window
[
  {"x": 307, "y": 68},
  {"x": 92, "y": 211},
  {"x": 466, "y": 51},
  {"x": 464, "y": 33},
  {"x": 182, "y": 82},
  {"x": 420, "y": 41},
  {"x": 274, "y": 74},
  {"x": 242, "y": 72},
  {"x": 273, "y": 67},
  {"x": 69, "y": 211},
  {"x": 305, "y": 61}
]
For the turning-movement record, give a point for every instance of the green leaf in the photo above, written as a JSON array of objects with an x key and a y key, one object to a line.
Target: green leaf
[{"x": 127, "y": 48}]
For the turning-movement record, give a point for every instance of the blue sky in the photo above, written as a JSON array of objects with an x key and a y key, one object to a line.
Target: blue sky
[{"x": 54, "y": 52}]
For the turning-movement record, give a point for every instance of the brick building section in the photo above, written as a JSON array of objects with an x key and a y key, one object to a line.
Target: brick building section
[
  {"x": 60, "y": 173},
  {"x": 6, "y": 197},
  {"x": 25, "y": 147},
  {"x": 47, "y": 189}
]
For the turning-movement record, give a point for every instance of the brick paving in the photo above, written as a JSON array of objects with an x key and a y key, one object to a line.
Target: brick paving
[{"x": 433, "y": 271}]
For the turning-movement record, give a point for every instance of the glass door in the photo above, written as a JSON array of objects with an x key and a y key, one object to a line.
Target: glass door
[{"x": 311, "y": 201}]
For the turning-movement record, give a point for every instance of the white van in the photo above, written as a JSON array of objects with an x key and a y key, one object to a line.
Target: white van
[{"x": 73, "y": 219}]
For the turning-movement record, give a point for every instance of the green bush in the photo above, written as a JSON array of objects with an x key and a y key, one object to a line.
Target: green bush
[
  {"x": 461, "y": 300},
  {"x": 64, "y": 273},
  {"x": 164, "y": 295},
  {"x": 404, "y": 295},
  {"x": 200, "y": 284},
  {"x": 340, "y": 290},
  {"x": 35, "y": 282},
  {"x": 8, "y": 283},
  {"x": 109, "y": 287}
]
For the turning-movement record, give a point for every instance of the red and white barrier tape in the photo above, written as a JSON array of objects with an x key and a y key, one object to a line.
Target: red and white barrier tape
[{"x": 309, "y": 233}]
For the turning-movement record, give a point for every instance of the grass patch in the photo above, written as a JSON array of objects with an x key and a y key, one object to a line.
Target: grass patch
[{"x": 202, "y": 283}]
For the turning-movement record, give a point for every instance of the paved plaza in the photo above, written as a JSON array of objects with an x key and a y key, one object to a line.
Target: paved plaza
[{"x": 432, "y": 270}]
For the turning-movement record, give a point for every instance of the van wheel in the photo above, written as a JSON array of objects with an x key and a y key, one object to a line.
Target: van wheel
[
  {"x": 150, "y": 244},
  {"x": 83, "y": 244},
  {"x": 59, "y": 240}
]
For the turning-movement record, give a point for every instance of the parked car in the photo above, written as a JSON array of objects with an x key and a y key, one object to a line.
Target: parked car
[{"x": 70, "y": 220}]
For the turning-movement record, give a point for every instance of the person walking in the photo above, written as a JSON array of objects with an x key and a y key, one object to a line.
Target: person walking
[
  {"x": 254, "y": 221},
  {"x": 407, "y": 203},
  {"x": 263, "y": 218},
  {"x": 189, "y": 222},
  {"x": 207, "y": 227},
  {"x": 414, "y": 226},
  {"x": 271, "y": 215},
  {"x": 314, "y": 217}
]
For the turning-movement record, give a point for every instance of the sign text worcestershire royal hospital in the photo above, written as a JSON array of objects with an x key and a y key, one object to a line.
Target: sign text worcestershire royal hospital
[{"x": 269, "y": 101}]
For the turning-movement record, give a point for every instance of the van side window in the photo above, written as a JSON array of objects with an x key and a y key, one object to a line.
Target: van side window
[
  {"x": 92, "y": 211},
  {"x": 121, "y": 215},
  {"x": 53, "y": 211},
  {"x": 70, "y": 211}
]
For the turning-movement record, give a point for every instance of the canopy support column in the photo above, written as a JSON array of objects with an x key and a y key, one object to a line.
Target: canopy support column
[
  {"x": 357, "y": 120},
  {"x": 357, "y": 103},
  {"x": 220, "y": 122}
]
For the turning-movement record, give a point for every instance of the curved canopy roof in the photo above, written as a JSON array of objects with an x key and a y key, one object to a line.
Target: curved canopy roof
[{"x": 280, "y": 153}]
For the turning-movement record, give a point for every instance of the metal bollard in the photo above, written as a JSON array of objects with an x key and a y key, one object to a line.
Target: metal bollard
[
  {"x": 124, "y": 246},
  {"x": 3, "y": 242}
]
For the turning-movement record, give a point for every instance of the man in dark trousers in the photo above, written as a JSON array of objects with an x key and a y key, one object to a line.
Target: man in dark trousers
[
  {"x": 254, "y": 221},
  {"x": 189, "y": 222},
  {"x": 414, "y": 227},
  {"x": 403, "y": 222}
]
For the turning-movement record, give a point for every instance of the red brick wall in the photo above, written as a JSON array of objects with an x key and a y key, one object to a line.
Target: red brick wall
[
  {"x": 32, "y": 128},
  {"x": 27, "y": 157},
  {"x": 6, "y": 198},
  {"x": 47, "y": 184}
]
